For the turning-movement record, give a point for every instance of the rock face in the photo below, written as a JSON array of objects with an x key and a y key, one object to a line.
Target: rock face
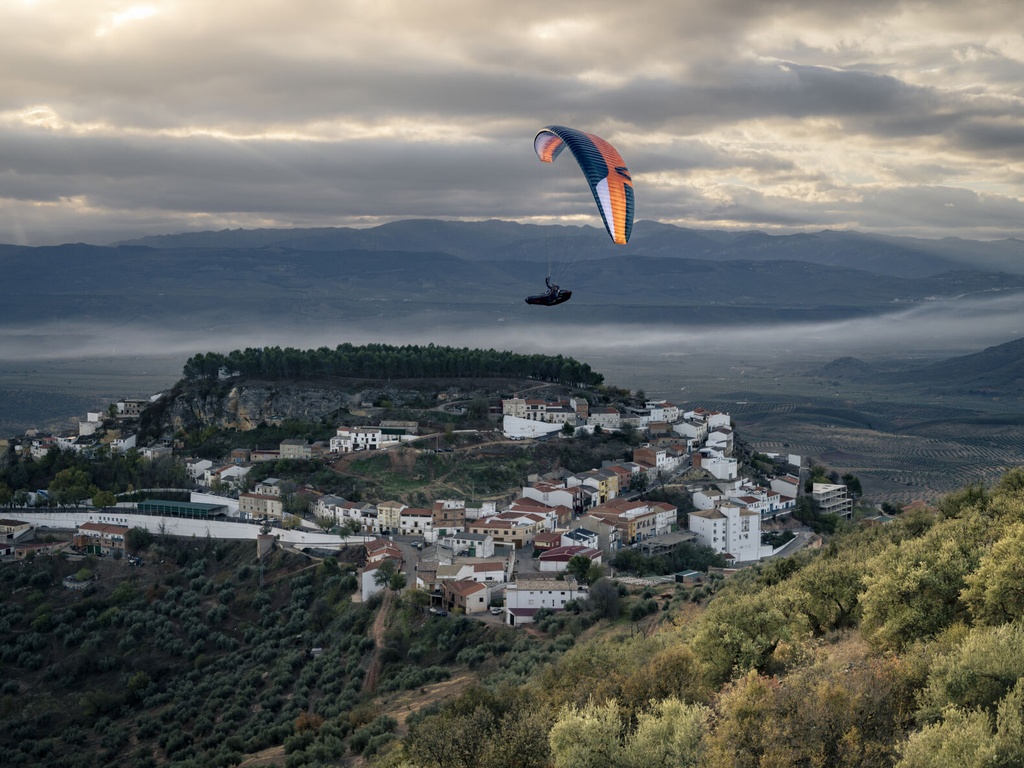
[{"x": 247, "y": 405}]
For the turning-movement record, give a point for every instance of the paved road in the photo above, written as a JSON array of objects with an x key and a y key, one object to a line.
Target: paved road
[{"x": 803, "y": 538}]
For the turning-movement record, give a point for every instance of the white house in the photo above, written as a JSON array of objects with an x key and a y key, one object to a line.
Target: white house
[
  {"x": 197, "y": 469},
  {"x": 477, "y": 509},
  {"x": 554, "y": 411},
  {"x": 662, "y": 410},
  {"x": 130, "y": 408},
  {"x": 348, "y": 439},
  {"x": 767, "y": 502},
  {"x": 694, "y": 430},
  {"x": 476, "y": 544},
  {"x": 230, "y": 475},
  {"x": 416, "y": 521},
  {"x": 609, "y": 532},
  {"x": 123, "y": 443},
  {"x": 730, "y": 529},
  {"x": 340, "y": 511},
  {"x": 605, "y": 417},
  {"x": 721, "y": 439},
  {"x": 465, "y": 596},
  {"x": 715, "y": 465},
  {"x": 93, "y": 421},
  {"x": 787, "y": 485},
  {"x": 637, "y": 417},
  {"x": 581, "y": 537},
  {"x": 717, "y": 419},
  {"x": 707, "y": 498},
  {"x": 525, "y": 597},
  {"x": 555, "y": 495},
  {"x": 556, "y": 560},
  {"x": 480, "y": 569}
]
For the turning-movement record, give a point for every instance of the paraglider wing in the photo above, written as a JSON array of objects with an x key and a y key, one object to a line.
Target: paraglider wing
[{"x": 604, "y": 169}]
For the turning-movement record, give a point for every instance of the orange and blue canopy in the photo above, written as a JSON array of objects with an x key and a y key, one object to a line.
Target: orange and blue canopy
[{"x": 604, "y": 169}]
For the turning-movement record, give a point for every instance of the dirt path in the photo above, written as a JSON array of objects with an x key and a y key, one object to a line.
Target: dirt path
[
  {"x": 379, "y": 624},
  {"x": 402, "y": 704}
]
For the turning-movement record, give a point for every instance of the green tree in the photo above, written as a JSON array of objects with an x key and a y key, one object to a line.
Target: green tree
[
  {"x": 977, "y": 673},
  {"x": 389, "y": 576},
  {"x": 568, "y": 429},
  {"x": 348, "y": 527},
  {"x": 741, "y": 632},
  {"x": 669, "y": 673},
  {"x": 961, "y": 740},
  {"x": 831, "y": 588},
  {"x": 806, "y": 510},
  {"x": 852, "y": 483},
  {"x": 104, "y": 499},
  {"x": 450, "y": 739},
  {"x": 670, "y": 734},
  {"x": 518, "y": 739},
  {"x": 1010, "y": 728},
  {"x": 70, "y": 487},
  {"x": 995, "y": 591},
  {"x": 295, "y": 504},
  {"x": 138, "y": 539},
  {"x": 603, "y": 597},
  {"x": 587, "y": 737},
  {"x": 579, "y": 566},
  {"x": 913, "y": 588}
]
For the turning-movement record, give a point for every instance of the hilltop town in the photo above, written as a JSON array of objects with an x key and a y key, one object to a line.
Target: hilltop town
[{"x": 510, "y": 555}]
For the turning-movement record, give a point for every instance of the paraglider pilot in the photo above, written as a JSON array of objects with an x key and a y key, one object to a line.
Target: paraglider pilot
[
  {"x": 555, "y": 295},
  {"x": 552, "y": 289}
]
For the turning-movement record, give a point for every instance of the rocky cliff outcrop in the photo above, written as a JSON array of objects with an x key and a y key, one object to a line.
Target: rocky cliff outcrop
[{"x": 246, "y": 405}]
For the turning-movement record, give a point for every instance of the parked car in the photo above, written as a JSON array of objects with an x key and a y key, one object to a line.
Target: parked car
[
  {"x": 438, "y": 611},
  {"x": 497, "y": 610}
]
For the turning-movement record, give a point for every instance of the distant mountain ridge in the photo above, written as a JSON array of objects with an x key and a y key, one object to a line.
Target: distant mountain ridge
[
  {"x": 472, "y": 274},
  {"x": 998, "y": 369},
  {"x": 504, "y": 240}
]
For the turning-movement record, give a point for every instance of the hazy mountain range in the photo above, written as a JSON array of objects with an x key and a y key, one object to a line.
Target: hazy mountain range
[
  {"x": 666, "y": 274},
  {"x": 997, "y": 370}
]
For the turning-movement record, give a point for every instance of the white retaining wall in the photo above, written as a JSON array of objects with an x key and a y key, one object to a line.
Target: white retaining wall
[{"x": 178, "y": 526}]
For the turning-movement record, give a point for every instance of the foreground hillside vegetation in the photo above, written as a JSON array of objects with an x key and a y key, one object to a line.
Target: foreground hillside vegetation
[
  {"x": 894, "y": 645},
  {"x": 202, "y": 657}
]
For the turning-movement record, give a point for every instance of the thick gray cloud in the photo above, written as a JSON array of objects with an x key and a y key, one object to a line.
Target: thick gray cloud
[{"x": 122, "y": 118}]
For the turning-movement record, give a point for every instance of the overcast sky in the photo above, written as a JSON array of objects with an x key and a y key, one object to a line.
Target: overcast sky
[{"x": 119, "y": 119}]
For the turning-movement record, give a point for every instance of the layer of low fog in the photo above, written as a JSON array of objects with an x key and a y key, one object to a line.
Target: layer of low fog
[{"x": 930, "y": 330}]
